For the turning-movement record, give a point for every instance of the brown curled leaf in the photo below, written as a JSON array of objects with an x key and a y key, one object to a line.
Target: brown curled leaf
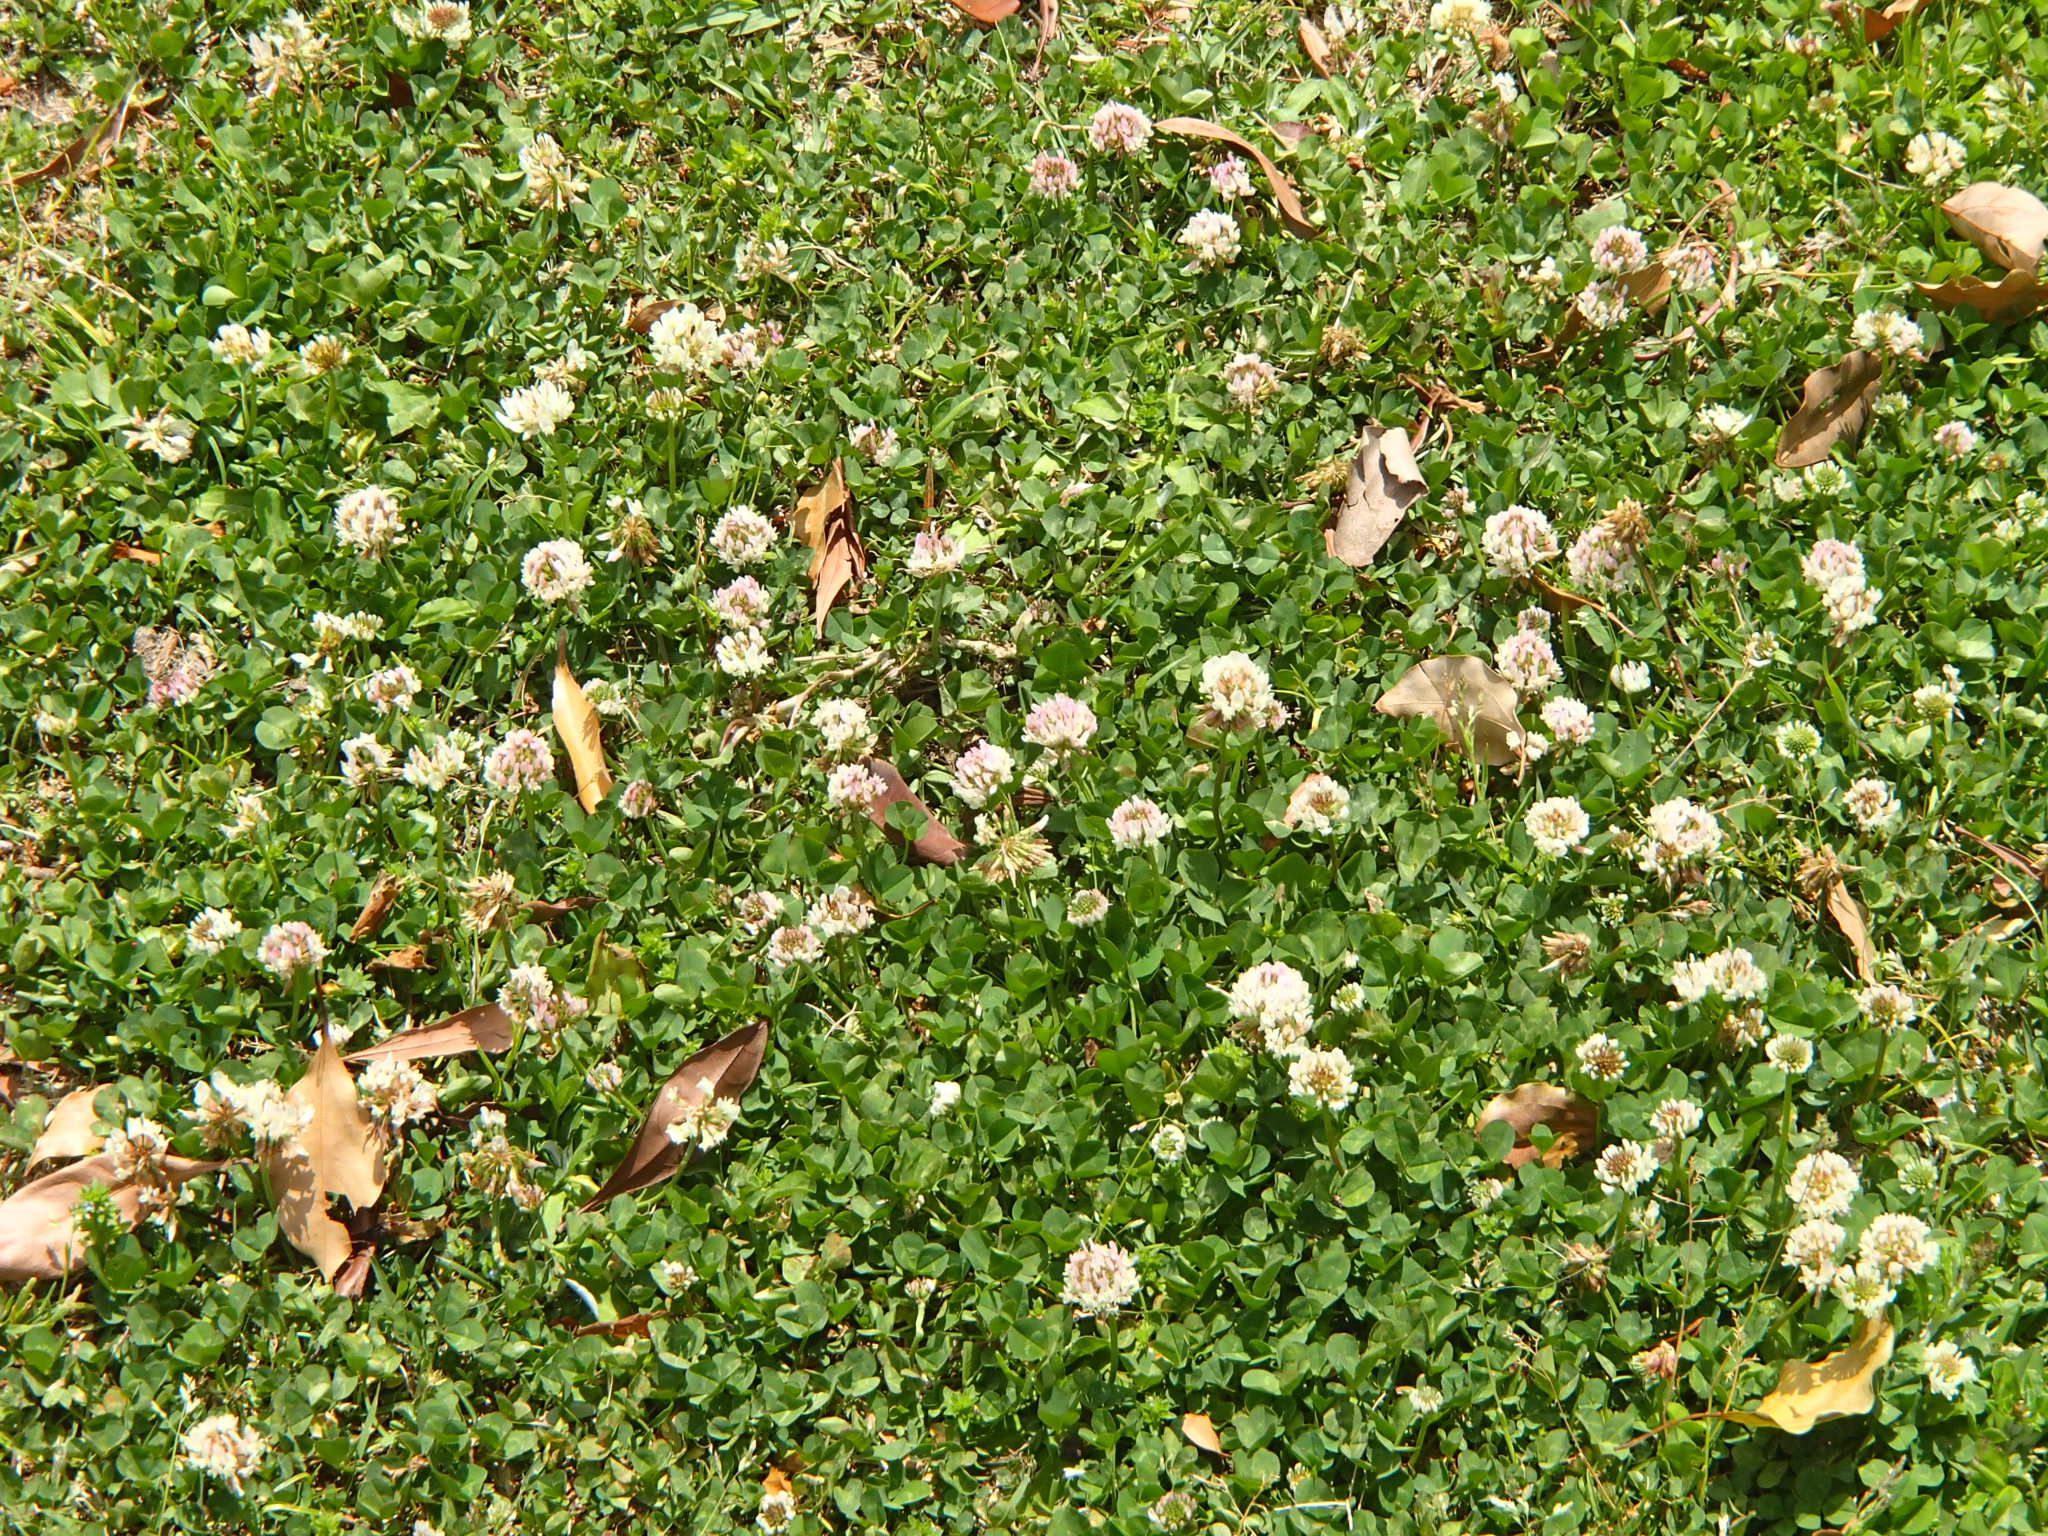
[
  {"x": 824, "y": 521},
  {"x": 988, "y": 12},
  {"x": 39, "y": 1236},
  {"x": 1381, "y": 485},
  {"x": 1285, "y": 200},
  {"x": 1473, "y": 705},
  {"x": 728, "y": 1066},
  {"x": 1574, "y": 1121},
  {"x": 1835, "y": 408},
  {"x": 486, "y": 1027},
  {"x": 1316, "y": 46},
  {"x": 934, "y": 845},
  {"x": 376, "y": 907},
  {"x": 2014, "y": 297}
]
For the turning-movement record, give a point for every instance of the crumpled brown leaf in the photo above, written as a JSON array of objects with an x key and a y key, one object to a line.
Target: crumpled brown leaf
[
  {"x": 1469, "y": 701},
  {"x": 376, "y": 907},
  {"x": 338, "y": 1152},
  {"x": 486, "y": 1027},
  {"x": 68, "y": 1128},
  {"x": 1286, "y": 201},
  {"x": 2013, "y": 297},
  {"x": 39, "y": 1238},
  {"x": 730, "y": 1065},
  {"x": 98, "y": 140},
  {"x": 576, "y": 723},
  {"x": 1382, "y": 484},
  {"x": 1574, "y": 1121},
  {"x": 988, "y": 12},
  {"x": 934, "y": 845},
  {"x": 824, "y": 521},
  {"x": 1811, "y": 1392},
  {"x": 1835, "y": 409},
  {"x": 1201, "y": 1431},
  {"x": 1848, "y": 916},
  {"x": 1878, "y": 21},
  {"x": 1316, "y": 46},
  {"x": 2008, "y": 224}
]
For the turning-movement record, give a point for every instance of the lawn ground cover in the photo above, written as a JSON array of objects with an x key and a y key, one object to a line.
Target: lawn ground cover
[{"x": 1153, "y": 768}]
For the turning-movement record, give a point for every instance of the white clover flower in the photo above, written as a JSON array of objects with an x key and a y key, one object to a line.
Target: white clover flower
[
  {"x": 637, "y": 801},
  {"x": 1469, "y": 19},
  {"x": 1602, "y": 1058},
  {"x": 742, "y": 537},
  {"x": 1822, "y": 1184},
  {"x": 367, "y": 521},
  {"x": 1518, "y": 540},
  {"x": 743, "y": 653},
  {"x": 1789, "y": 1054},
  {"x": 1897, "y": 1245},
  {"x": 944, "y": 1097},
  {"x": 1691, "y": 267},
  {"x": 1618, "y": 250},
  {"x": 168, "y": 437},
  {"x": 1060, "y": 724},
  {"x": 434, "y": 768},
  {"x": 1273, "y": 999},
  {"x": 537, "y": 410},
  {"x": 982, "y": 772},
  {"x": 1231, "y": 178},
  {"x": 212, "y": 931},
  {"x": 1810, "y": 1248},
  {"x": 1054, "y": 177},
  {"x": 1955, "y": 439},
  {"x": 741, "y": 604},
  {"x": 364, "y": 760},
  {"x": 1630, "y": 676},
  {"x": 933, "y": 555},
  {"x": 841, "y": 912},
  {"x": 1569, "y": 721},
  {"x": 1871, "y": 804},
  {"x": 1250, "y": 379},
  {"x": 1526, "y": 660},
  {"x": 683, "y": 340},
  {"x": 1947, "y": 1368},
  {"x": 396, "y": 1094},
  {"x": 1888, "y": 1007},
  {"x": 222, "y": 1447},
  {"x": 1169, "y": 1143},
  {"x": 1138, "y": 823},
  {"x": 1087, "y": 907},
  {"x": 1714, "y": 425},
  {"x": 1212, "y": 239},
  {"x": 1603, "y": 304},
  {"x": 1933, "y": 158},
  {"x": 1625, "y": 1167},
  {"x": 522, "y": 761},
  {"x": 240, "y": 346},
  {"x": 1676, "y": 1117},
  {"x": 556, "y": 571},
  {"x": 1864, "y": 1288},
  {"x": 1324, "y": 1078},
  {"x": 436, "y": 21},
  {"x": 1679, "y": 838},
  {"x": 1119, "y": 129},
  {"x": 1886, "y": 330},
  {"x": 1319, "y": 805},
  {"x": 392, "y": 690},
  {"x": 1237, "y": 693},
  {"x": 1101, "y": 1278},
  {"x": 551, "y": 180},
  {"x": 844, "y": 727},
  {"x": 854, "y": 789},
  {"x": 1557, "y": 826},
  {"x": 289, "y": 948},
  {"x": 1601, "y": 559}
]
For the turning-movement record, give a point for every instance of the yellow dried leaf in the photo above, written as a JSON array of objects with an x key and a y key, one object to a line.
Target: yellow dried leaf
[
  {"x": 576, "y": 723},
  {"x": 1473, "y": 705},
  {"x": 338, "y": 1152},
  {"x": 68, "y": 1130},
  {"x": 1811, "y": 1392},
  {"x": 1848, "y": 916}
]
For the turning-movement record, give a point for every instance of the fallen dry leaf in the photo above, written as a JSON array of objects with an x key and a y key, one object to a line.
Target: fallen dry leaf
[
  {"x": 729, "y": 1065},
  {"x": 38, "y": 1239},
  {"x": 635, "y": 1325},
  {"x": 338, "y": 1152},
  {"x": 2014, "y": 297},
  {"x": 1575, "y": 1123},
  {"x": 1811, "y": 1392},
  {"x": 412, "y": 957},
  {"x": 641, "y": 317},
  {"x": 576, "y": 723},
  {"x": 1648, "y": 287},
  {"x": 1848, "y": 916},
  {"x": 548, "y": 911},
  {"x": 1382, "y": 484},
  {"x": 934, "y": 845},
  {"x": 135, "y": 552},
  {"x": 1473, "y": 705},
  {"x": 1834, "y": 409},
  {"x": 96, "y": 140},
  {"x": 823, "y": 520},
  {"x": 486, "y": 1027},
  {"x": 1285, "y": 200},
  {"x": 1883, "y": 21},
  {"x": 68, "y": 1129},
  {"x": 2009, "y": 225},
  {"x": 1316, "y": 46},
  {"x": 382, "y": 898},
  {"x": 1200, "y": 1431},
  {"x": 988, "y": 12}
]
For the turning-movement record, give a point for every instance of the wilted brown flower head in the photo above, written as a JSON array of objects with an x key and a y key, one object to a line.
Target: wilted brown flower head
[
  {"x": 1568, "y": 953},
  {"x": 488, "y": 902},
  {"x": 1586, "y": 1263}
]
